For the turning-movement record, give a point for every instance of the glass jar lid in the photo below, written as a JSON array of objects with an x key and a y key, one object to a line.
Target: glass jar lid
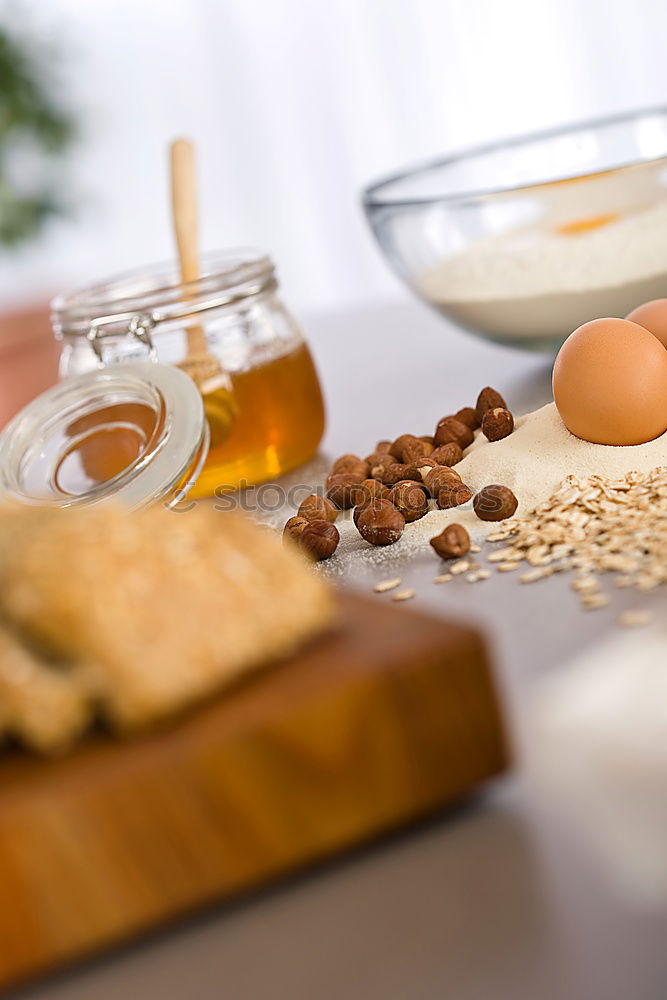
[{"x": 133, "y": 433}]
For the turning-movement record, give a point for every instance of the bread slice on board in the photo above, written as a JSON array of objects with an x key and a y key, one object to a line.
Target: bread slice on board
[
  {"x": 44, "y": 706},
  {"x": 168, "y": 607}
]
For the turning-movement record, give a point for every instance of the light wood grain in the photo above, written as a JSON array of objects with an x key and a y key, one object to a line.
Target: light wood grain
[
  {"x": 202, "y": 366},
  {"x": 185, "y": 217},
  {"x": 388, "y": 718}
]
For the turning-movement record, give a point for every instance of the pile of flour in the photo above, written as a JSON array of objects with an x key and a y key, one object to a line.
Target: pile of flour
[
  {"x": 537, "y": 284},
  {"x": 532, "y": 461},
  {"x": 535, "y": 261}
]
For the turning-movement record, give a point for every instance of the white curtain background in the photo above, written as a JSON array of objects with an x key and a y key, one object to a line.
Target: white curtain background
[{"x": 295, "y": 105}]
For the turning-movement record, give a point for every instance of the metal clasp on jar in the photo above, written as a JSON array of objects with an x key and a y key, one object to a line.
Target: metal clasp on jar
[{"x": 140, "y": 326}]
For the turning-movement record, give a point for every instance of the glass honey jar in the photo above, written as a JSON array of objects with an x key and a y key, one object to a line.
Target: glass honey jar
[{"x": 231, "y": 332}]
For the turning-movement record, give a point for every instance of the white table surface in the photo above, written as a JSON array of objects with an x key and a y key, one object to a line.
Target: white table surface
[{"x": 491, "y": 902}]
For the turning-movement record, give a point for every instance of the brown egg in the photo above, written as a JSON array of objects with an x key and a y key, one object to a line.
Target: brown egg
[
  {"x": 610, "y": 383},
  {"x": 653, "y": 317}
]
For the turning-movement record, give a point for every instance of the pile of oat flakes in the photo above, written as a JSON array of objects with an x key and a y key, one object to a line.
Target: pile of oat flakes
[
  {"x": 589, "y": 526},
  {"x": 593, "y": 526}
]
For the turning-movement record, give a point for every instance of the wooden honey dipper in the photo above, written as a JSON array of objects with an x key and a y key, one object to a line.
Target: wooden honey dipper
[{"x": 204, "y": 369}]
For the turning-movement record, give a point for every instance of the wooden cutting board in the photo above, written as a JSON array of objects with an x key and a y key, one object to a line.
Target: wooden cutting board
[{"x": 390, "y": 716}]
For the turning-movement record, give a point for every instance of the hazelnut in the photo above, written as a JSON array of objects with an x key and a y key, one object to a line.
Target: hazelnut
[
  {"x": 381, "y": 523},
  {"x": 452, "y": 543},
  {"x": 424, "y": 466},
  {"x": 453, "y": 495},
  {"x": 438, "y": 478},
  {"x": 373, "y": 489},
  {"x": 383, "y": 446},
  {"x": 358, "y": 511},
  {"x": 451, "y": 429},
  {"x": 428, "y": 439},
  {"x": 350, "y": 463},
  {"x": 380, "y": 466},
  {"x": 399, "y": 444},
  {"x": 343, "y": 489},
  {"x": 294, "y": 527},
  {"x": 447, "y": 454},
  {"x": 497, "y": 423},
  {"x": 468, "y": 417},
  {"x": 316, "y": 508},
  {"x": 410, "y": 498},
  {"x": 414, "y": 451},
  {"x": 397, "y": 472},
  {"x": 319, "y": 540},
  {"x": 487, "y": 399},
  {"x": 376, "y": 457},
  {"x": 494, "y": 503}
]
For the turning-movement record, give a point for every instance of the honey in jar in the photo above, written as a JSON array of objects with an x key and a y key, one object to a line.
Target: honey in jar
[
  {"x": 277, "y": 426},
  {"x": 265, "y": 409}
]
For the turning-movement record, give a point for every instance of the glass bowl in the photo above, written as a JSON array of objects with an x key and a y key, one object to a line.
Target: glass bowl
[{"x": 522, "y": 241}]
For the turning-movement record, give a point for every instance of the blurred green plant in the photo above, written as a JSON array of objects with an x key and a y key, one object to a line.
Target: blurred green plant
[{"x": 34, "y": 131}]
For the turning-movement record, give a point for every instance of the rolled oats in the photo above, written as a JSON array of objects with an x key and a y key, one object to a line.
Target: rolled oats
[
  {"x": 384, "y": 585},
  {"x": 632, "y": 619},
  {"x": 593, "y": 526}
]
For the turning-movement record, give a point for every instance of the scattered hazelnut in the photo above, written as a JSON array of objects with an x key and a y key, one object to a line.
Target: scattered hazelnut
[
  {"x": 396, "y": 472},
  {"x": 487, "y": 400},
  {"x": 319, "y": 539},
  {"x": 451, "y": 429},
  {"x": 410, "y": 498},
  {"x": 376, "y": 457},
  {"x": 452, "y": 543},
  {"x": 497, "y": 423},
  {"x": 438, "y": 478},
  {"x": 343, "y": 489},
  {"x": 381, "y": 523},
  {"x": 424, "y": 466},
  {"x": 414, "y": 451},
  {"x": 381, "y": 464},
  {"x": 447, "y": 454},
  {"x": 373, "y": 489},
  {"x": 494, "y": 503},
  {"x": 428, "y": 439},
  {"x": 383, "y": 446},
  {"x": 349, "y": 463},
  {"x": 358, "y": 511},
  {"x": 468, "y": 417},
  {"x": 453, "y": 495},
  {"x": 316, "y": 508},
  {"x": 294, "y": 527},
  {"x": 399, "y": 444}
]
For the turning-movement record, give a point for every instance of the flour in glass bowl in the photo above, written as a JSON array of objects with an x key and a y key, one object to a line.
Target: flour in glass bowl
[
  {"x": 533, "y": 461},
  {"x": 540, "y": 283}
]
